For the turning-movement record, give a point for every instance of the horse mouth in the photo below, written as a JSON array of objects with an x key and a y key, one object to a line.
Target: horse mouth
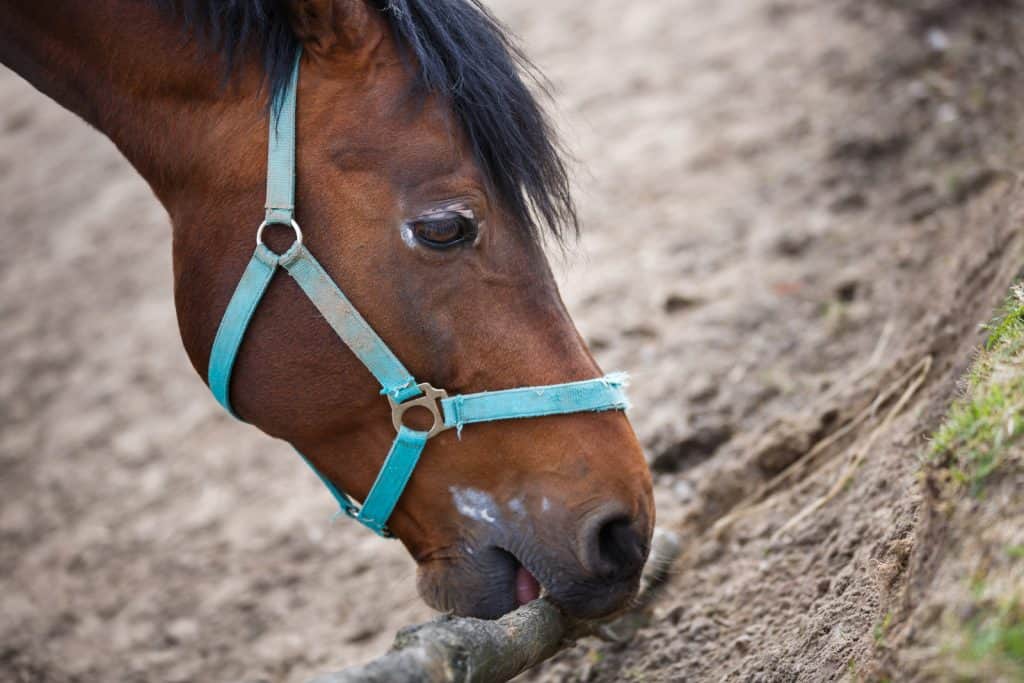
[
  {"x": 527, "y": 586},
  {"x": 489, "y": 582}
]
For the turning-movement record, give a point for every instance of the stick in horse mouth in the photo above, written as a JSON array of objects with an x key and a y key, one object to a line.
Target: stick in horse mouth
[
  {"x": 449, "y": 650},
  {"x": 425, "y": 175}
]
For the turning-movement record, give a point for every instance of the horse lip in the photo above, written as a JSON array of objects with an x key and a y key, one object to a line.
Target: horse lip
[
  {"x": 475, "y": 581},
  {"x": 560, "y": 593},
  {"x": 543, "y": 592},
  {"x": 517, "y": 563},
  {"x": 487, "y": 587}
]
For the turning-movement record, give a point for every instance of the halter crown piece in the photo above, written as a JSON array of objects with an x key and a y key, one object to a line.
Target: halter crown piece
[{"x": 397, "y": 384}]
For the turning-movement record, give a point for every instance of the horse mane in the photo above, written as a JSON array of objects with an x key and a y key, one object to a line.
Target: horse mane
[{"x": 464, "y": 55}]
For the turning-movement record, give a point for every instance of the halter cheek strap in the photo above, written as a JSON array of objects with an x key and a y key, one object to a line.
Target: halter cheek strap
[{"x": 397, "y": 383}]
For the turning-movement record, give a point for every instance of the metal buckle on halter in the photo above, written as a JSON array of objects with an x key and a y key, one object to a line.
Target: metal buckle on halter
[{"x": 431, "y": 400}]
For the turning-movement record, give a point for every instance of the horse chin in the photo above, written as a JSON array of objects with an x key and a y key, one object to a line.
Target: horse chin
[{"x": 486, "y": 584}]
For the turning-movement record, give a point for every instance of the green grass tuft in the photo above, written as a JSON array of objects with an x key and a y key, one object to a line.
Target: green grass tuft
[
  {"x": 977, "y": 433},
  {"x": 975, "y": 438},
  {"x": 994, "y": 641},
  {"x": 1009, "y": 324},
  {"x": 979, "y": 438}
]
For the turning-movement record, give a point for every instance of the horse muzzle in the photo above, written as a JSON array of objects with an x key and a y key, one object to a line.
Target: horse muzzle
[{"x": 590, "y": 568}]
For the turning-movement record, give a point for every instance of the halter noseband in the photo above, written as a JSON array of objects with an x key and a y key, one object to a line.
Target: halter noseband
[{"x": 398, "y": 385}]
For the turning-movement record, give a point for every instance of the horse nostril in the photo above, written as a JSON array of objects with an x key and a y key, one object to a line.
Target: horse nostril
[{"x": 614, "y": 549}]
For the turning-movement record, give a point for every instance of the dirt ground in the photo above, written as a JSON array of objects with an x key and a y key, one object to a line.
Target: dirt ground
[{"x": 797, "y": 213}]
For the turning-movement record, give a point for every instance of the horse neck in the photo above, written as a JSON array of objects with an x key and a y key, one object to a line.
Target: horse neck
[{"x": 128, "y": 70}]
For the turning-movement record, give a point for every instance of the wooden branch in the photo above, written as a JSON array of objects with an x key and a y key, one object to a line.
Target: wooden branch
[{"x": 464, "y": 650}]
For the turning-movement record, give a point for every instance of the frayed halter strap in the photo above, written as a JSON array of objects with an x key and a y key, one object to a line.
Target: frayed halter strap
[{"x": 397, "y": 384}]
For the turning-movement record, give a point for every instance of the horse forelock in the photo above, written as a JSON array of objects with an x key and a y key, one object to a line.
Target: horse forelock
[{"x": 463, "y": 54}]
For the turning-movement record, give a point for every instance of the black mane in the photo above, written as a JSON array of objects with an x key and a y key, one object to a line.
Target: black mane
[{"x": 463, "y": 53}]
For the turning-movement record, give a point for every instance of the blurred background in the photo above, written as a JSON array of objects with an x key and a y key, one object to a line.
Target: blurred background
[{"x": 786, "y": 205}]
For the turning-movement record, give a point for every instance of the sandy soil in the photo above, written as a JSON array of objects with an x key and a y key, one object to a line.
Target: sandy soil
[{"x": 789, "y": 205}]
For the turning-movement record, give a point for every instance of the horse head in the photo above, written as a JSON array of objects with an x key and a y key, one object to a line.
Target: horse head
[{"x": 426, "y": 177}]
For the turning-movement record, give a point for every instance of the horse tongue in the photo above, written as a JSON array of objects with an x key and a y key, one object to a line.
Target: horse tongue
[{"x": 527, "y": 587}]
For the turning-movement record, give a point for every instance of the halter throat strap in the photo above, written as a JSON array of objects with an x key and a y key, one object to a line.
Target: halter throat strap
[{"x": 396, "y": 382}]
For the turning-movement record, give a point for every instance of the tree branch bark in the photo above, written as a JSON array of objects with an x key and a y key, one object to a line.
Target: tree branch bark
[{"x": 465, "y": 650}]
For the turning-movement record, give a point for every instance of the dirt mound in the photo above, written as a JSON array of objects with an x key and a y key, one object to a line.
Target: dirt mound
[
  {"x": 797, "y": 212},
  {"x": 819, "y": 547}
]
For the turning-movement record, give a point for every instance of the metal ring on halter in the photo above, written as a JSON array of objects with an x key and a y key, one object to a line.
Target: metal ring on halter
[
  {"x": 295, "y": 227},
  {"x": 430, "y": 400}
]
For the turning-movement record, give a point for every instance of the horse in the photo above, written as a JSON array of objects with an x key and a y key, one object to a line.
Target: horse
[{"x": 428, "y": 179}]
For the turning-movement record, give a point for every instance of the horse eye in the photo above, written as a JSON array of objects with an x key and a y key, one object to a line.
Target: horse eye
[{"x": 444, "y": 231}]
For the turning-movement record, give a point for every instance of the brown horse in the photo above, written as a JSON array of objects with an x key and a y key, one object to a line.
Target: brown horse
[{"x": 426, "y": 177}]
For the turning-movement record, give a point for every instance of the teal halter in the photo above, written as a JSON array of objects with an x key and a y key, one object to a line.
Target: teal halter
[{"x": 398, "y": 385}]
